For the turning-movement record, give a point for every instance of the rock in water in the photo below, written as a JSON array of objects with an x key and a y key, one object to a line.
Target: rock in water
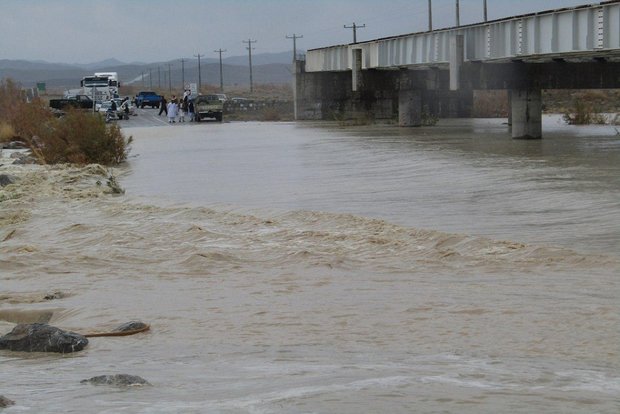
[
  {"x": 40, "y": 337},
  {"x": 6, "y": 179},
  {"x": 118, "y": 380},
  {"x": 5, "y": 402}
]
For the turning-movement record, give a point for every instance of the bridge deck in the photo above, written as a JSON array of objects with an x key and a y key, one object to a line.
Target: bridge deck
[{"x": 583, "y": 32}]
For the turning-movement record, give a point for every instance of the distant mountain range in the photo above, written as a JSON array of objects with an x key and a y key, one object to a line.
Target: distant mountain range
[{"x": 267, "y": 68}]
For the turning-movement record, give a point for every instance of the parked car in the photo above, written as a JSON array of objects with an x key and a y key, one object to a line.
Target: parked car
[
  {"x": 208, "y": 106},
  {"x": 243, "y": 104},
  {"x": 147, "y": 98},
  {"x": 78, "y": 101},
  {"x": 120, "y": 111},
  {"x": 222, "y": 97}
]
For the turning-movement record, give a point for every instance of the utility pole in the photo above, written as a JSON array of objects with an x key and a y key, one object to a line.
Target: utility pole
[
  {"x": 430, "y": 15},
  {"x": 484, "y": 5},
  {"x": 354, "y": 27},
  {"x": 150, "y": 79},
  {"x": 199, "y": 75},
  {"x": 159, "y": 76},
  {"x": 169, "y": 78},
  {"x": 294, "y": 37},
  {"x": 142, "y": 79},
  {"x": 183, "y": 73},
  {"x": 249, "y": 42},
  {"x": 458, "y": 14},
  {"x": 220, "y": 51}
]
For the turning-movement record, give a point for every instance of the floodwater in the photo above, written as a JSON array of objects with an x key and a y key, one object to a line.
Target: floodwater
[{"x": 310, "y": 268}]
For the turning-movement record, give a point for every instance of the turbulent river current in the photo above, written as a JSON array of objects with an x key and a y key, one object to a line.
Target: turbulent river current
[{"x": 311, "y": 268}]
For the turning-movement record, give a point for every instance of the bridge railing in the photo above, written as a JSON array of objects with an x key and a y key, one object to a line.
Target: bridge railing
[{"x": 587, "y": 28}]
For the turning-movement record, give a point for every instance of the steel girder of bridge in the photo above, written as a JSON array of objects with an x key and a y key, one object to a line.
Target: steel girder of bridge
[{"x": 584, "y": 31}]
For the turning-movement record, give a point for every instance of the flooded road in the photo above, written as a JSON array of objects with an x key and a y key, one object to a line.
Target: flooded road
[
  {"x": 316, "y": 269},
  {"x": 461, "y": 177}
]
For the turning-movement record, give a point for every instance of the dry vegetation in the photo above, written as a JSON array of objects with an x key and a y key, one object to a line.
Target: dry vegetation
[
  {"x": 490, "y": 104},
  {"x": 583, "y": 107},
  {"x": 578, "y": 107},
  {"x": 79, "y": 137}
]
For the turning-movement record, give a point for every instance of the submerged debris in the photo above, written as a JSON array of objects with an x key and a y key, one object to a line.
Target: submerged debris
[
  {"x": 114, "y": 186},
  {"x": 55, "y": 295},
  {"x": 5, "y": 402},
  {"x": 127, "y": 328},
  {"x": 117, "y": 380}
]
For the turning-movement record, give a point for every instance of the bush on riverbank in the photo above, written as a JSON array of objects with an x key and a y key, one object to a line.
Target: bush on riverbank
[
  {"x": 79, "y": 137},
  {"x": 585, "y": 108},
  {"x": 82, "y": 138},
  {"x": 583, "y": 113}
]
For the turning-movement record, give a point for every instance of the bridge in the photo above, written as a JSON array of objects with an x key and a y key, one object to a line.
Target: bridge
[{"x": 437, "y": 71}]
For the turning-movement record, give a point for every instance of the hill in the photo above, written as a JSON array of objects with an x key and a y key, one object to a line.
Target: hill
[{"x": 267, "y": 68}]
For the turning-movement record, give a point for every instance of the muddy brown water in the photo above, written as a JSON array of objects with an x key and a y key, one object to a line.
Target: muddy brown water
[{"x": 311, "y": 268}]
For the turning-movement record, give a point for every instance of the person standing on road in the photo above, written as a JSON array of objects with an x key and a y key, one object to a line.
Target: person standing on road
[
  {"x": 162, "y": 106},
  {"x": 172, "y": 111},
  {"x": 190, "y": 110},
  {"x": 182, "y": 111}
]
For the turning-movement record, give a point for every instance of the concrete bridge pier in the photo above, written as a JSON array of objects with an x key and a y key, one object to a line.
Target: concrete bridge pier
[
  {"x": 526, "y": 109},
  {"x": 409, "y": 108}
]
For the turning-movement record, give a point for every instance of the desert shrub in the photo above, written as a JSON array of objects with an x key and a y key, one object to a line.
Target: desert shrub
[
  {"x": 11, "y": 100},
  {"x": 7, "y": 132},
  {"x": 26, "y": 119},
  {"x": 78, "y": 137},
  {"x": 82, "y": 138},
  {"x": 582, "y": 112},
  {"x": 428, "y": 119},
  {"x": 32, "y": 120},
  {"x": 271, "y": 114}
]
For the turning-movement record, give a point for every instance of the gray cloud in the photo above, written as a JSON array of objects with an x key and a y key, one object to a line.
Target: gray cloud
[{"x": 156, "y": 30}]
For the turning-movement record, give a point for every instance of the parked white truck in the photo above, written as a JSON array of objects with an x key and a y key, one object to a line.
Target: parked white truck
[{"x": 102, "y": 86}]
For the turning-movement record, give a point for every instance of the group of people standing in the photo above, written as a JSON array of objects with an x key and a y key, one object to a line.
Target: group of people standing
[{"x": 177, "y": 108}]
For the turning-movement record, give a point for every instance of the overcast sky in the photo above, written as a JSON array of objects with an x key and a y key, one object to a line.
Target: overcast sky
[{"x": 84, "y": 31}]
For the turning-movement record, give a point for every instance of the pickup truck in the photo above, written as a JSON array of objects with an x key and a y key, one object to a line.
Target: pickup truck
[
  {"x": 208, "y": 106},
  {"x": 147, "y": 98},
  {"x": 77, "y": 101}
]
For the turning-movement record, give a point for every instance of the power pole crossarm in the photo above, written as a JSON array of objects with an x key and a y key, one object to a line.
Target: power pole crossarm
[
  {"x": 199, "y": 72},
  {"x": 354, "y": 27},
  {"x": 294, "y": 37}
]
